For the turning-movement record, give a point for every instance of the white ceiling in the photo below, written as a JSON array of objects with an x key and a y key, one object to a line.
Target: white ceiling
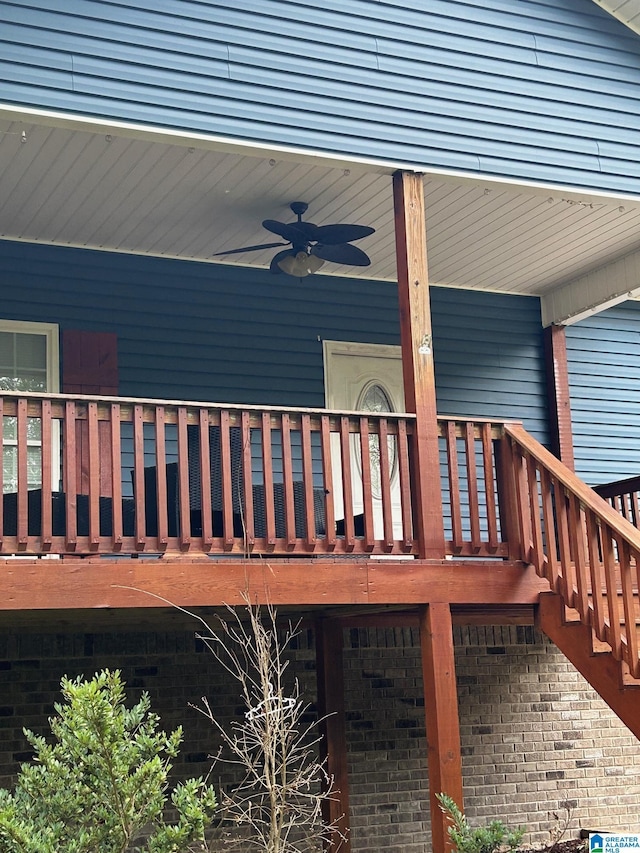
[{"x": 131, "y": 190}]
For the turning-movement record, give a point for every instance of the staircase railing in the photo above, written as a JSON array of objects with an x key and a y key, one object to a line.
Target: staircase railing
[{"x": 586, "y": 550}]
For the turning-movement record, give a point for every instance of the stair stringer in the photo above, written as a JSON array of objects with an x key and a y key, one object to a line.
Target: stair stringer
[{"x": 601, "y": 670}]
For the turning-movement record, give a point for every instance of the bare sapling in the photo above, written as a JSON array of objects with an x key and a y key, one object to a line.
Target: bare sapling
[{"x": 277, "y": 804}]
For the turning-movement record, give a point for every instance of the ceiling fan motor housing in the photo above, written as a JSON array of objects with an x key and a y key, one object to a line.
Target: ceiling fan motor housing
[{"x": 299, "y": 208}]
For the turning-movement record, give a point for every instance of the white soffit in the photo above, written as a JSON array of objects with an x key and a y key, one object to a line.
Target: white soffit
[
  {"x": 112, "y": 189},
  {"x": 626, "y": 11},
  {"x": 588, "y": 294}
]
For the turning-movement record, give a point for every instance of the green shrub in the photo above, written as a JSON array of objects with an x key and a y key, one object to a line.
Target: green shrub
[
  {"x": 103, "y": 784},
  {"x": 484, "y": 839}
]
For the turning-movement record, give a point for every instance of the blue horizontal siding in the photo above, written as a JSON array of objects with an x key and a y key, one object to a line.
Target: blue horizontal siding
[
  {"x": 603, "y": 355},
  {"x": 216, "y": 333},
  {"x": 487, "y": 349},
  {"x": 528, "y": 89}
]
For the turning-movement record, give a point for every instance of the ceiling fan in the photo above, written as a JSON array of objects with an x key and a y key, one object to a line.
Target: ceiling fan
[{"x": 310, "y": 245}]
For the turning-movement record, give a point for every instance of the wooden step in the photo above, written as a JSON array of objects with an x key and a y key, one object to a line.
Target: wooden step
[{"x": 627, "y": 680}]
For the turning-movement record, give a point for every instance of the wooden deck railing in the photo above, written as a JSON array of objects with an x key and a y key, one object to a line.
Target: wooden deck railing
[
  {"x": 586, "y": 550},
  {"x": 624, "y": 497},
  {"x": 83, "y": 475},
  {"x": 471, "y": 487}
]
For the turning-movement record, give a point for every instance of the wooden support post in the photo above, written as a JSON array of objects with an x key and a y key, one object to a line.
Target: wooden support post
[
  {"x": 333, "y": 747},
  {"x": 558, "y": 394},
  {"x": 441, "y": 709},
  {"x": 417, "y": 360},
  {"x": 507, "y": 497}
]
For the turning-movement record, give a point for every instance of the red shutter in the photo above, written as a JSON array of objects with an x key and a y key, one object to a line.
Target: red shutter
[
  {"x": 90, "y": 366},
  {"x": 89, "y": 362}
]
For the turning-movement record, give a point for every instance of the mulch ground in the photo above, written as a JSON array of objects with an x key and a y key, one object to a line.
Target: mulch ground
[{"x": 573, "y": 845}]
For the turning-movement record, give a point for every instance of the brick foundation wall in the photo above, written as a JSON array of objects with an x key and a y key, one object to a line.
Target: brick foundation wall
[
  {"x": 388, "y": 784},
  {"x": 534, "y": 735}
]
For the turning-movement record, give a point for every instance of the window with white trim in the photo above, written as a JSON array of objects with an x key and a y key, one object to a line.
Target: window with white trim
[{"x": 29, "y": 361}]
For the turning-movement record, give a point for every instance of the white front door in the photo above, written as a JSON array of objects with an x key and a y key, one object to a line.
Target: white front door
[{"x": 365, "y": 377}]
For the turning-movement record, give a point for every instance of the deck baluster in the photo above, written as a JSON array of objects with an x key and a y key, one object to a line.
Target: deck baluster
[
  {"x": 611, "y": 583},
  {"x": 404, "y": 476},
  {"x": 94, "y": 475},
  {"x": 3, "y": 425},
  {"x": 267, "y": 473},
  {"x": 550, "y": 563},
  {"x": 247, "y": 505},
  {"x": 206, "y": 509},
  {"x": 454, "y": 485},
  {"x": 138, "y": 477},
  {"x": 287, "y": 476},
  {"x": 472, "y": 485},
  {"x": 535, "y": 515},
  {"x": 116, "y": 476},
  {"x": 490, "y": 494},
  {"x": 161, "y": 479},
  {"x": 327, "y": 480},
  {"x": 347, "y": 488},
  {"x": 227, "y": 486},
  {"x": 367, "y": 496},
  {"x": 564, "y": 543},
  {"x": 630, "y": 617},
  {"x": 307, "y": 480},
  {"x": 46, "y": 439},
  {"x": 184, "y": 508},
  {"x": 385, "y": 484},
  {"x": 578, "y": 543},
  {"x": 70, "y": 461}
]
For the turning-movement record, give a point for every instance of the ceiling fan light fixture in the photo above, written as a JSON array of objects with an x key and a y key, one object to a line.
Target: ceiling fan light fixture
[{"x": 300, "y": 264}]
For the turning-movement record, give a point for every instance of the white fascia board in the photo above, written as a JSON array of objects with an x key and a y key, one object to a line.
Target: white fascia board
[{"x": 591, "y": 293}]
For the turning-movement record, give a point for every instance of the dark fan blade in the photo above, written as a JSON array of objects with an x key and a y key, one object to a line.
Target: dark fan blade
[
  {"x": 275, "y": 269},
  {"x": 292, "y": 233},
  {"x": 307, "y": 229},
  {"x": 332, "y": 234},
  {"x": 343, "y": 253},
  {"x": 249, "y": 249}
]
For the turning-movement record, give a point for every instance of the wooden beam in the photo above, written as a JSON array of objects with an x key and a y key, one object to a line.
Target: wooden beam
[
  {"x": 444, "y": 754},
  {"x": 395, "y": 616},
  {"x": 333, "y": 747},
  {"x": 417, "y": 359},
  {"x": 169, "y": 618},
  {"x": 558, "y": 394},
  {"x": 74, "y": 584},
  {"x": 458, "y": 583}
]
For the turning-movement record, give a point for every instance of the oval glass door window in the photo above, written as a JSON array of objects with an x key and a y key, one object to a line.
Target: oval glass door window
[{"x": 374, "y": 398}]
